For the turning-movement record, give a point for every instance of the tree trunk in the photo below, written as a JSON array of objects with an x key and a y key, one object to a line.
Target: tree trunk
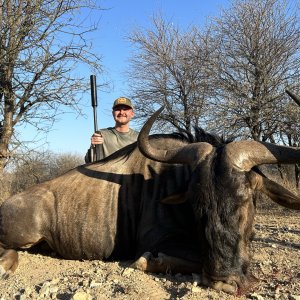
[{"x": 6, "y": 131}]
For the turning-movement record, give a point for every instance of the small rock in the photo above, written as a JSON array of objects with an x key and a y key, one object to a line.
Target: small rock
[
  {"x": 294, "y": 297},
  {"x": 95, "y": 284},
  {"x": 27, "y": 291},
  {"x": 45, "y": 289},
  {"x": 257, "y": 296},
  {"x": 53, "y": 289},
  {"x": 81, "y": 296},
  {"x": 127, "y": 272},
  {"x": 55, "y": 281},
  {"x": 182, "y": 285},
  {"x": 196, "y": 289},
  {"x": 196, "y": 279}
]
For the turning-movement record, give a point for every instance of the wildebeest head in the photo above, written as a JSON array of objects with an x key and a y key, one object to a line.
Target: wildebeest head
[{"x": 221, "y": 191}]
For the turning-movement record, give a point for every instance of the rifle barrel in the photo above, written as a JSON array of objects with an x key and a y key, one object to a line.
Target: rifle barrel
[{"x": 94, "y": 99}]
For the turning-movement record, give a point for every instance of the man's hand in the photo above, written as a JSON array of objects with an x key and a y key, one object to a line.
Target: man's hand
[{"x": 96, "y": 139}]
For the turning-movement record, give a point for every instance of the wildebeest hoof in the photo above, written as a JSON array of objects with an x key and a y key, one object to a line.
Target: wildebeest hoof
[
  {"x": 142, "y": 262},
  {"x": 4, "y": 274},
  {"x": 148, "y": 263},
  {"x": 8, "y": 262},
  {"x": 230, "y": 288}
]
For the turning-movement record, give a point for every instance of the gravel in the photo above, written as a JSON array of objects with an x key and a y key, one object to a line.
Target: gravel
[{"x": 276, "y": 262}]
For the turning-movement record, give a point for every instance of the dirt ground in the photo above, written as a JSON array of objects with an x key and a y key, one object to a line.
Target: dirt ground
[{"x": 276, "y": 262}]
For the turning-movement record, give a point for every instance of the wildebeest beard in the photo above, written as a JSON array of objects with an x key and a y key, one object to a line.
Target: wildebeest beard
[{"x": 224, "y": 225}]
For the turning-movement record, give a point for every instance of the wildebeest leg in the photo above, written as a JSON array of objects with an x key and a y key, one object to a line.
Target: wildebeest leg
[
  {"x": 165, "y": 264},
  {"x": 24, "y": 220},
  {"x": 8, "y": 262}
]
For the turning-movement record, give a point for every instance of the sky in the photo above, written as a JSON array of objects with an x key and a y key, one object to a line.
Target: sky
[{"x": 71, "y": 134}]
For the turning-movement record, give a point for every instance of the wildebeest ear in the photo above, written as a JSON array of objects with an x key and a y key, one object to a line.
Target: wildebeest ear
[
  {"x": 279, "y": 194},
  {"x": 174, "y": 199}
]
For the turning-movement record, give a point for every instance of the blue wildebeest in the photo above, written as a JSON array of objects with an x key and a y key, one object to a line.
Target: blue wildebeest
[{"x": 120, "y": 208}]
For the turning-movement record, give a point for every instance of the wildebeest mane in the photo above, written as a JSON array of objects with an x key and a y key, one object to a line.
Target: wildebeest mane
[
  {"x": 184, "y": 136},
  {"x": 200, "y": 135}
]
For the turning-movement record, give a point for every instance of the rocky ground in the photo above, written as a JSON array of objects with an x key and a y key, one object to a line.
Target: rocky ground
[{"x": 276, "y": 262}]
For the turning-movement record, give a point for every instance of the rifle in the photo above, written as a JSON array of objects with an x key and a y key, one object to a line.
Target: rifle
[{"x": 95, "y": 152}]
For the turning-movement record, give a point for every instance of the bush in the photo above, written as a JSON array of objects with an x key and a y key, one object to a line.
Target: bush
[{"x": 36, "y": 168}]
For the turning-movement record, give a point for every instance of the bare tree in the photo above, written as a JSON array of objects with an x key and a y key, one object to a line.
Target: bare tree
[
  {"x": 258, "y": 43},
  {"x": 42, "y": 42},
  {"x": 164, "y": 72},
  {"x": 290, "y": 134}
]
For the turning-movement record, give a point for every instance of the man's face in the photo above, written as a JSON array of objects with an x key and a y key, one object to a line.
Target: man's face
[{"x": 122, "y": 114}]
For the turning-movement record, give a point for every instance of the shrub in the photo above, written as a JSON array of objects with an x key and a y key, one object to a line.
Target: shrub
[{"x": 36, "y": 168}]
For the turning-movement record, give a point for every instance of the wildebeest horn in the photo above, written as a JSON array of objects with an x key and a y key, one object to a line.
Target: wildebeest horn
[
  {"x": 182, "y": 155},
  {"x": 247, "y": 154},
  {"x": 295, "y": 97}
]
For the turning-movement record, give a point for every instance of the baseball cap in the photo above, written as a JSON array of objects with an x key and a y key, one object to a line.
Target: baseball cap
[{"x": 122, "y": 101}]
